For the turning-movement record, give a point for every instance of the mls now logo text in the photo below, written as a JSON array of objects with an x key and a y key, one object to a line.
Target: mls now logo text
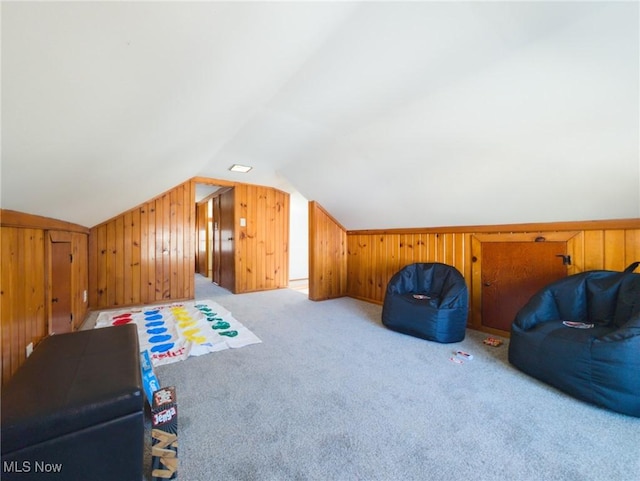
[{"x": 30, "y": 467}]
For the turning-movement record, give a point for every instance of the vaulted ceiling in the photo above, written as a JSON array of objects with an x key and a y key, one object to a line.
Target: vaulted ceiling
[{"x": 390, "y": 114}]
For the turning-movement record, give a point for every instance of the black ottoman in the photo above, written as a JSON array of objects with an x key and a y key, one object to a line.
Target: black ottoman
[{"x": 75, "y": 409}]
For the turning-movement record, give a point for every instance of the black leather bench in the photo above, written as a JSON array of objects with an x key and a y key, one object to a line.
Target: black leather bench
[{"x": 75, "y": 409}]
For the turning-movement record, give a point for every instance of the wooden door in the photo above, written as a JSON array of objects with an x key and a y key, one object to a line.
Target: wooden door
[
  {"x": 210, "y": 239},
  {"x": 512, "y": 272},
  {"x": 227, "y": 245},
  {"x": 61, "y": 317},
  {"x": 202, "y": 222},
  {"x": 215, "y": 240}
]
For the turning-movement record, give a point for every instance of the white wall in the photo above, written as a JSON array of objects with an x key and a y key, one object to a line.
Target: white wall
[
  {"x": 298, "y": 237},
  {"x": 389, "y": 114},
  {"x": 533, "y": 120}
]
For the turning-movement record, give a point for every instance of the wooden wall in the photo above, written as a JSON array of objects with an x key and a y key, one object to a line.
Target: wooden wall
[
  {"x": 262, "y": 245},
  {"x": 327, "y": 255},
  {"x": 146, "y": 254},
  {"x": 371, "y": 257},
  {"x": 374, "y": 256},
  {"x": 25, "y": 288}
]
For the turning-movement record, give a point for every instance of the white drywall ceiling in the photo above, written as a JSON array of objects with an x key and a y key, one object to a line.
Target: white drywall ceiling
[{"x": 390, "y": 114}]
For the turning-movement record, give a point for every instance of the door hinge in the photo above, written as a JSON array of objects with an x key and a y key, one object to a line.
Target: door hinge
[
  {"x": 566, "y": 260},
  {"x": 71, "y": 318},
  {"x": 71, "y": 258}
]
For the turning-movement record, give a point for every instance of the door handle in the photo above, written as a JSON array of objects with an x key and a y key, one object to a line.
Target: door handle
[
  {"x": 487, "y": 284},
  {"x": 55, "y": 299}
]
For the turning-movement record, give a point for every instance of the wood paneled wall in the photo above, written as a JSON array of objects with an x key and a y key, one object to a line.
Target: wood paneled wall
[
  {"x": 327, "y": 255},
  {"x": 374, "y": 256},
  {"x": 262, "y": 245},
  {"x": 25, "y": 288},
  {"x": 146, "y": 254}
]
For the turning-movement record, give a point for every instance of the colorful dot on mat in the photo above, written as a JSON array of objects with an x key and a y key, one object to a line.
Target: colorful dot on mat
[
  {"x": 229, "y": 333},
  {"x": 154, "y": 324},
  {"x": 184, "y": 324},
  {"x": 151, "y": 313},
  {"x": 159, "y": 338},
  {"x": 121, "y": 321},
  {"x": 162, "y": 347},
  {"x": 221, "y": 325},
  {"x": 191, "y": 336},
  {"x": 154, "y": 317},
  {"x": 157, "y": 330},
  {"x": 122, "y": 316}
]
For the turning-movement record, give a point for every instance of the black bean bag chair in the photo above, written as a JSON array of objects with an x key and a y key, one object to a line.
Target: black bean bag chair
[
  {"x": 598, "y": 362},
  {"x": 429, "y": 301}
]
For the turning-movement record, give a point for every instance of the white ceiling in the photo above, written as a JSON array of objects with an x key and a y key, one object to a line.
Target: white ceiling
[{"x": 390, "y": 114}]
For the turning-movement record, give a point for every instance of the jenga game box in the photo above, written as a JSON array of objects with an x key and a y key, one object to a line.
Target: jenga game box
[{"x": 164, "y": 434}]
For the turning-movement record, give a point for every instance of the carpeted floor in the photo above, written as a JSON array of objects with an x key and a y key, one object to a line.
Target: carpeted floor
[{"x": 330, "y": 394}]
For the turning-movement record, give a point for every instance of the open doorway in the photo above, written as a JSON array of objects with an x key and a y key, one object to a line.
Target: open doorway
[
  {"x": 245, "y": 235},
  {"x": 214, "y": 235}
]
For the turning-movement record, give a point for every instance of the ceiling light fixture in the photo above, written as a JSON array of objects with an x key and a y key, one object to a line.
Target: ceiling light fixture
[{"x": 240, "y": 168}]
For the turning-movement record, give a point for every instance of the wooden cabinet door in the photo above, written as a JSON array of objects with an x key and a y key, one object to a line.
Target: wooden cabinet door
[
  {"x": 61, "y": 319},
  {"x": 512, "y": 272}
]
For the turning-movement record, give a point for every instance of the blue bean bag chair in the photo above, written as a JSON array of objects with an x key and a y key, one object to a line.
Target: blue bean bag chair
[
  {"x": 598, "y": 361},
  {"x": 427, "y": 300}
]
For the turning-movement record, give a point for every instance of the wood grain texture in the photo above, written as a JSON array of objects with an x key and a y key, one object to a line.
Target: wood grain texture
[
  {"x": 327, "y": 255},
  {"x": 146, "y": 254},
  {"x": 12, "y": 218},
  {"x": 261, "y": 240},
  {"x": 374, "y": 256},
  {"x": 25, "y": 284}
]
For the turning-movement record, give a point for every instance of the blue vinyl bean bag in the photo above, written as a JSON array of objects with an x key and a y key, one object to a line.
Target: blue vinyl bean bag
[
  {"x": 598, "y": 364},
  {"x": 427, "y": 300}
]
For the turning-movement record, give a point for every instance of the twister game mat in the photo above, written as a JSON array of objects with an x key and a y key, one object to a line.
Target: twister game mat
[{"x": 173, "y": 332}]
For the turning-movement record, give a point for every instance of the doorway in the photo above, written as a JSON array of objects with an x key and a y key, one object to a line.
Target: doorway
[{"x": 215, "y": 255}]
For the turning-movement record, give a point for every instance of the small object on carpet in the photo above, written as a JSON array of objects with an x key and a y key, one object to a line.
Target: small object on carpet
[
  {"x": 465, "y": 356},
  {"x": 492, "y": 341}
]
